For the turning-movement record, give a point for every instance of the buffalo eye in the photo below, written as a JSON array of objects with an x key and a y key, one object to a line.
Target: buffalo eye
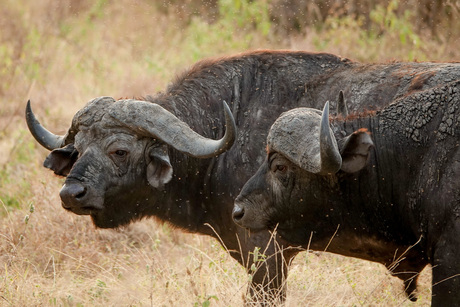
[
  {"x": 121, "y": 153},
  {"x": 281, "y": 168}
]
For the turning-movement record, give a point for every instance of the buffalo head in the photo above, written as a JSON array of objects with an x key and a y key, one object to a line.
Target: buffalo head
[
  {"x": 302, "y": 161},
  {"x": 116, "y": 155}
]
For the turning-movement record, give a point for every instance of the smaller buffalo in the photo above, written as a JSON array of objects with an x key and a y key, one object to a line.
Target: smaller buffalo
[{"x": 381, "y": 186}]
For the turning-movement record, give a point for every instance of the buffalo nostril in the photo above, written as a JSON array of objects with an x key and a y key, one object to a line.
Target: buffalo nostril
[
  {"x": 77, "y": 190},
  {"x": 238, "y": 213},
  {"x": 80, "y": 193},
  {"x": 72, "y": 192}
]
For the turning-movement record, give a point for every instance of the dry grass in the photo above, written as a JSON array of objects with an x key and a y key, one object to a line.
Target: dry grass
[
  {"x": 58, "y": 258},
  {"x": 62, "y": 54}
]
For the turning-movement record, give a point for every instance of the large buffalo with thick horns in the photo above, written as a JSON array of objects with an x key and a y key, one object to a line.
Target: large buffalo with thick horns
[
  {"x": 382, "y": 186},
  {"x": 129, "y": 159}
]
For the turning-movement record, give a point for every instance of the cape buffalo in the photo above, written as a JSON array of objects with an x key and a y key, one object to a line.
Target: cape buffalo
[
  {"x": 119, "y": 169},
  {"x": 382, "y": 186}
]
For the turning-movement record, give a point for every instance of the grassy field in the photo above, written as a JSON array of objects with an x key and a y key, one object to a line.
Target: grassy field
[{"x": 61, "y": 54}]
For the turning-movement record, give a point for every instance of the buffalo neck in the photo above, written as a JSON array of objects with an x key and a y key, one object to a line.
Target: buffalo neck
[{"x": 414, "y": 140}]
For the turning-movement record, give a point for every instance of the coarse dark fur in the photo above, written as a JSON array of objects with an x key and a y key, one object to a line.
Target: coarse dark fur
[
  {"x": 402, "y": 209},
  {"x": 258, "y": 86}
]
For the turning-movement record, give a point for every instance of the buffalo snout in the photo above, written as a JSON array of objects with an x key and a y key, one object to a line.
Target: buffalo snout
[
  {"x": 237, "y": 213},
  {"x": 248, "y": 215},
  {"x": 74, "y": 198}
]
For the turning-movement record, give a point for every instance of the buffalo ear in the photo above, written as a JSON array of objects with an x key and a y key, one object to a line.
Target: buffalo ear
[
  {"x": 159, "y": 169},
  {"x": 61, "y": 160},
  {"x": 355, "y": 151}
]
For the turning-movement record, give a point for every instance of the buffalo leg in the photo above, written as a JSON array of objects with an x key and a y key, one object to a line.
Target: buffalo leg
[
  {"x": 408, "y": 271},
  {"x": 446, "y": 267}
]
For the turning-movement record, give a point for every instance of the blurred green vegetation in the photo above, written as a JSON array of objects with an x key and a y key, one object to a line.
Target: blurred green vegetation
[
  {"x": 382, "y": 29},
  {"x": 241, "y": 19},
  {"x": 15, "y": 177},
  {"x": 373, "y": 30}
]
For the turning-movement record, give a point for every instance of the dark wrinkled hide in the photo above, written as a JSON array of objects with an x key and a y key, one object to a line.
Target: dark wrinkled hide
[
  {"x": 258, "y": 86},
  {"x": 402, "y": 209}
]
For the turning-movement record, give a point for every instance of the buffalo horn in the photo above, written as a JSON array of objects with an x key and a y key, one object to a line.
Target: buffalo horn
[
  {"x": 342, "y": 108},
  {"x": 47, "y": 139},
  {"x": 331, "y": 161},
  {"x": 152, "y": 120}
]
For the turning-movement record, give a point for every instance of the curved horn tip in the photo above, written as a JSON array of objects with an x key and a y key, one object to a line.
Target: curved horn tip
[
  {"x": 342, "y": 108},
  {"x": 227, "y": 141},
  {"x": 230, "y": 125},
  {"x": 29, "y": 109},
  {"x": 228, "y": 112},
  {"x": 325, "y": 113},
  {"x": 45, "y": 138},
  {"x": 331, "y": 161},
  {"x": 225, "y": 104},
  {"x": 341, "y": 95}
]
